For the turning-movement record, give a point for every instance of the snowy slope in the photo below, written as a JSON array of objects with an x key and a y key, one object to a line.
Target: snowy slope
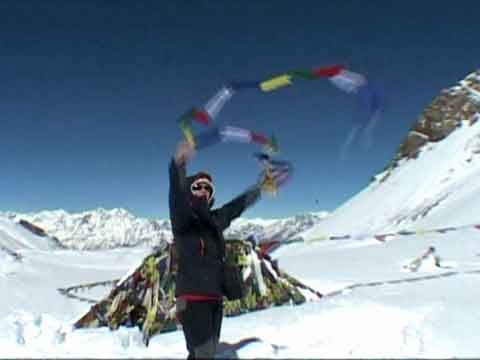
[
  {"x": 375, "y": 308},
  {"x": 439, "y": 188},
  {"x": 15, "y": 237},
  {"x": 433, "y": 183}
]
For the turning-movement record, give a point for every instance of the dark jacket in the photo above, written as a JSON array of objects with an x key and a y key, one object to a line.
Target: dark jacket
[{"x": 198, "y": 234}]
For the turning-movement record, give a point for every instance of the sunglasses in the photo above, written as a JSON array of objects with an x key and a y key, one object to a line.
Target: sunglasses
[{"x": 198, "y": 187}]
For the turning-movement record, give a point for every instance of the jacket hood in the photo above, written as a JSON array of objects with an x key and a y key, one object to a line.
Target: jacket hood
[{"x": 202, "y": 175}]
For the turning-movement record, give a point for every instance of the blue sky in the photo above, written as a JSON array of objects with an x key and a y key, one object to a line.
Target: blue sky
[{"x": 91, "y": 92}]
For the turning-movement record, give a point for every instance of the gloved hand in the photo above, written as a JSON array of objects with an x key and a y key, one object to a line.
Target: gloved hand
[
  {"x": 275, "y": 173},
  {"x": 185, "y": 152},
  {"x": 273, "y": 177}
]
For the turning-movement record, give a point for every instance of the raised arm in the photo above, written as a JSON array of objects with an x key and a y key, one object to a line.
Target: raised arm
[
  {"x": 233, "y": 209},
  {"x": 180, "y": 212}
]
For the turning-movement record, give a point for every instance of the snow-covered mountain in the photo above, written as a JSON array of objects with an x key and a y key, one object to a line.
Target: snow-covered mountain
[
  {"x": 98, "y": 229},
  {"x": 107, "y": 229},
  {"x": 432, "y": 181},
  {"x": 274, "y": 229}
]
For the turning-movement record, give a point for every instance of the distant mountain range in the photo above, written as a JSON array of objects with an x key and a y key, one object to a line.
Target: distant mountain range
[{"x": 107, "y": 229}]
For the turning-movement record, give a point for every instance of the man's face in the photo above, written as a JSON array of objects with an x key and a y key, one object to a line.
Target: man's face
[{"x": 202, "y": 189}]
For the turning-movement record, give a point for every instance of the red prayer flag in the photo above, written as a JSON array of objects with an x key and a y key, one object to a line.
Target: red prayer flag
[
  {"x": 328, "y": 71},
  {"x": 380, "y": 237},
  {"x": 259, "y": 138},
  {"x": 202, "y": 117}
]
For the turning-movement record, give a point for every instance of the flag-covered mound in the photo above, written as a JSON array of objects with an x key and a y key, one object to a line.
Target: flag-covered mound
[{"x": 146, "y": 297}]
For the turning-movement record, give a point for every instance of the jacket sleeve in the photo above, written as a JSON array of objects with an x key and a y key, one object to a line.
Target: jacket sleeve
[
  {"x": 180, "y": 212},
  {"x": 233, "y": 209}
]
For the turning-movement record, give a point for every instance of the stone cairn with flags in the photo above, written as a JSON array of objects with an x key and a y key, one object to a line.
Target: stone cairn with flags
[{"x": 145, "y": 298}]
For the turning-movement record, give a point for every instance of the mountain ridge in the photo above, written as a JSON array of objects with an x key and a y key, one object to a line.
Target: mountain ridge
[{"x": 111, "y": 228}]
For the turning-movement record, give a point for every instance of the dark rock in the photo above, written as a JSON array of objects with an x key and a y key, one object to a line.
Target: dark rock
[{"x": 33, "y": 228}]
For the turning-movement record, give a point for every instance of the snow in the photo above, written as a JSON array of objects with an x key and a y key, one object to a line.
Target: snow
[
  {"x": 375, "y": 315},
  {"x": 373, "y": 305}
]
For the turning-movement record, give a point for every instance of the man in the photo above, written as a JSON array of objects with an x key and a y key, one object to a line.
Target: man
[{"x": 200, "y": 248}]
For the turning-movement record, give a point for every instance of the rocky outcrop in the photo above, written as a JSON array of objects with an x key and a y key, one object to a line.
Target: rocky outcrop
[
  {"x": 454, "y": 106},
  {"x": 37, "y": 230}
]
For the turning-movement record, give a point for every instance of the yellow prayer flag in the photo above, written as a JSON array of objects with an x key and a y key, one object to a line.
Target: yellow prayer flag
[
  {"x": 276, "y": 83},
  {"x": 320, "y": 238},
  {"x": 188, "y": 133},
  {"x": 190, "y": 139},
  {"x": 423, "y": 231},
  {"x": 269, "y": 184}
]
